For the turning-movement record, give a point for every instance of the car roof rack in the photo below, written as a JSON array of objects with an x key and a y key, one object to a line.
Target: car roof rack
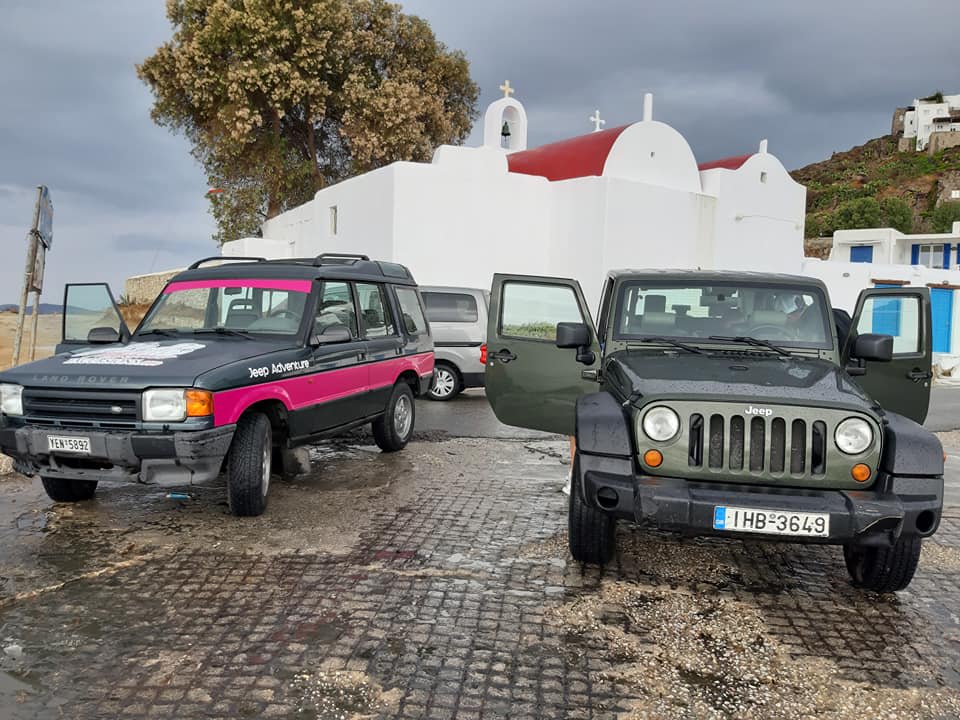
[
  {"x": 221, "y": 258},
  {"x": 339, "y": 258}
]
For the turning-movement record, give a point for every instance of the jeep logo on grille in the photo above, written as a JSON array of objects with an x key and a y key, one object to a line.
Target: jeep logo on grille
[{"x": 751, "y": 410}]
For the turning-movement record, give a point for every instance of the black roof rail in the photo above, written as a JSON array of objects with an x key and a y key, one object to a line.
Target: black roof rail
[
  {"x": 201, "y": 261},
  {"x": 339, "y": 256}
]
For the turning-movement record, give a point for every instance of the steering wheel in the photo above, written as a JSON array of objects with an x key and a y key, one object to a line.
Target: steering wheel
[
  {"x": 284, "y": 314},
  {"x": 774, "y": 332}
]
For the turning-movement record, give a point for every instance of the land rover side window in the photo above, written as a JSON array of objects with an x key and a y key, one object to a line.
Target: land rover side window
[
  {"x": 336, "y": 308},
  {"x": 87, "y": 307},
  {"x": 374, "y": 316},
  {"x": 450, "y": 307},
  {"x": 897, "y": 316},
  {"x": 530, "y": 311},
  {"x": 778, "y": 313},
  {"x": 410, "y": 310}
]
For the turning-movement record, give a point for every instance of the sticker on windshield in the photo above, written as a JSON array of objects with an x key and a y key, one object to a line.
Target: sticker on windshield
[{"x": 148, "y": 354}]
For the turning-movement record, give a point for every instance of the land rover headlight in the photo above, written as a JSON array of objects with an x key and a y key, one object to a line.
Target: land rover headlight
[
  {"x": 661, "y": 424},
  {"x": 853, "y": 436},
  {"x": 11, "y": 399},
  {"x": 164, "y": 405}
]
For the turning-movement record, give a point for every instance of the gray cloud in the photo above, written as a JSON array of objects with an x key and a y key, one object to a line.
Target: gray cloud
[{"x": 813, "y": 78}]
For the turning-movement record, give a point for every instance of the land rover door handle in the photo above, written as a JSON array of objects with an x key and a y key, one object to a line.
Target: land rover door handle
[
  {"x": 504, "y": 356},
  {"x": 917, "y": 374}
]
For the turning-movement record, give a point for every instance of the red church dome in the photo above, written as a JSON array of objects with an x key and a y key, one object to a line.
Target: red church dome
[{"x": 581, "y": 156}]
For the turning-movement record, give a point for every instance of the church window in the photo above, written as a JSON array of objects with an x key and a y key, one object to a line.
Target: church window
[
  {"x": 763, "y": 177},
  {"x": 333, "y": 219}
]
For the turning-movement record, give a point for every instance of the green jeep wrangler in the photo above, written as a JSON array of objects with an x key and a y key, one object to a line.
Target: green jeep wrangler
[{"x": 731, "y": 404}]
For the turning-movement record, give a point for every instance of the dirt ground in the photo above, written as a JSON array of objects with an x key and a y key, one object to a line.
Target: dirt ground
[{"x": 48, "y": 333}]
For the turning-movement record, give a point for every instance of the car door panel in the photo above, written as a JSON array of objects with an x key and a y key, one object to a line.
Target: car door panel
[
  {"x": 903, "y": 384},
  {"x": 531, "y": 382},
  {"x": 87, "y": 306}
]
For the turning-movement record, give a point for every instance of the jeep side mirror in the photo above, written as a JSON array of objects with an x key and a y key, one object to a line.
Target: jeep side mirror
[
  {"x": 103, "y": 335},
  {"x": 572, "y": 335},
  {"x": 871, "y": 346},
  {"x": 331, "y": 335},
  {"x": 576, "y": 335}
]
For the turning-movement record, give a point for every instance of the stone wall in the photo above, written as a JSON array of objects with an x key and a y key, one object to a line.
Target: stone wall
[
  {"x": 906, "y": 144},
  {"x": 896, "y": 127},
  {"x": 143, "y": 289},
  {"x": 942, "y": 140},
  {"x": 948, "y": 183}
]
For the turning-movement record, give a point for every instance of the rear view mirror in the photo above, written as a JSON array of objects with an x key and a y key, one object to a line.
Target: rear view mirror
[
  {"x": 103, "y": 335},
  {"x": 330, "y": 335},
  {"x": 572, "y": 335},
  {"x": 872, "y": 346}
]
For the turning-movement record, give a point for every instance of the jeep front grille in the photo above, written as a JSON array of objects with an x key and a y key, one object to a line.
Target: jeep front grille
[
  {"x": 81, "y": 408},
  {"x": 791, "y": 444}
]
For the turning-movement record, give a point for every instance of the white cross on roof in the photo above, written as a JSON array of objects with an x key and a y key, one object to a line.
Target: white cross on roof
[
  {"x": 597, "y": 121},
  {"x": 507, "y": 90}
]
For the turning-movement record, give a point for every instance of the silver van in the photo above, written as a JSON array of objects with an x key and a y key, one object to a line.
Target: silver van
[{"x": 458, "y": 322}]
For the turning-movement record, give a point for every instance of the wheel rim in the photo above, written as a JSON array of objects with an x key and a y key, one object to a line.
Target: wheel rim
[
  {"x": 403, "y": 416},
  {"x": 265, "y": 465},
  {"x": 443, "y": 383}
]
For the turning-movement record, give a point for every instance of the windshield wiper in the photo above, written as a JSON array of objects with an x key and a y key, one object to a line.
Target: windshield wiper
[
  {"x": 756, "y": 342},
  {"x": 166, "y": 332},
  {"x": 223, "y": 331},
  {"x": 674, "y": 343}
]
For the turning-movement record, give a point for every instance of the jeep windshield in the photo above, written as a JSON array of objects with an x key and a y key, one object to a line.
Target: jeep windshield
[
  {"x": 230, "y": 308},
  {"x": 758, "y": 314}
]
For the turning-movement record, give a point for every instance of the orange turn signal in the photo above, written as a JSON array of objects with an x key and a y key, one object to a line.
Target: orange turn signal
[
  {"x": 653, "y": 458},
  {"x": 199, "y": 403},
  {"x": 860, "y": 472}
]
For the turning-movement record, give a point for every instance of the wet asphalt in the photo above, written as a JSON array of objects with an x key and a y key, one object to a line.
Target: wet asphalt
[{"x": 435, "y": 583}]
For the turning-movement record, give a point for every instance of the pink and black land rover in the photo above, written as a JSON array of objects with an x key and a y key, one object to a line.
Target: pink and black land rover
[{"x": 234, "y": 365}]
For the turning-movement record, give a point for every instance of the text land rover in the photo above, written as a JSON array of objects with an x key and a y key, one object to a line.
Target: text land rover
[
  {"x": 721, "y": 403},
  {"x": 232, "y": 367}
]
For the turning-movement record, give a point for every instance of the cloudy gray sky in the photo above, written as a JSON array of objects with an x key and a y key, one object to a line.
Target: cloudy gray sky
[{"x": 812, "y": 77}]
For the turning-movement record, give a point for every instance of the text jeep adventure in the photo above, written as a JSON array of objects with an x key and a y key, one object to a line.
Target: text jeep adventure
[
  {"x": 233, "y": 366},
  {"x": 730, "y": 404}
]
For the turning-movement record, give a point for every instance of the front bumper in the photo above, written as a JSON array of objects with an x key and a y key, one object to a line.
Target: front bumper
[
  {"x": 161, "y": 458},
  {"x": 892, "y": 507}
]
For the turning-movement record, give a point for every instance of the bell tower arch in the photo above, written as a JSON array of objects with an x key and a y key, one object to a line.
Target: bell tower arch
[{"x": 505, "y": 123}]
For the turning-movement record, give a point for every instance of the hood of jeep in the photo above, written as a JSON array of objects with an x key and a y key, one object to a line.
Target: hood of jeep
[
  {"x": 136, "y": 365},
  {"x": 749, "y": 379}
]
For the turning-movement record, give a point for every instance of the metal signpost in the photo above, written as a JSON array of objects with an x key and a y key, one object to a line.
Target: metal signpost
[{"x": 39, "y": 240}]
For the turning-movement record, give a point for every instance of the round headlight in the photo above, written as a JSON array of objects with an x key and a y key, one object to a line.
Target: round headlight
[
  {"x": 661, "y": 424},
  {"x": 853, "y": 436}
]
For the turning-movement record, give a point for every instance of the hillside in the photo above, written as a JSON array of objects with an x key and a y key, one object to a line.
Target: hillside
[{"x": 874, "y": 185}]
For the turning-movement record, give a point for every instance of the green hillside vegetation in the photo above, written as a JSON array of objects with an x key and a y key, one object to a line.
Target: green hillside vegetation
[{"x": 874, "y": 185}]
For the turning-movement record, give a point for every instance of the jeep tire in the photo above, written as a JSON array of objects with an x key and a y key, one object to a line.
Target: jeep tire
[
  {"x": 62, "y": 490},
  {"x": 591, "y": 533},
  {"x": 445, "y": 384},
  {"x": 883, "y": 569},
  {"x": 392, "y": 430},
  {"x": 249, "y": 465}
]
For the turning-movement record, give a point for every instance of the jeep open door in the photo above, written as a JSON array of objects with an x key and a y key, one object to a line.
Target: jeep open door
[
  {"x": 902, "y": 384},
  {"x": 530, "y": 381},
  {"x": 90, "y": 317}
]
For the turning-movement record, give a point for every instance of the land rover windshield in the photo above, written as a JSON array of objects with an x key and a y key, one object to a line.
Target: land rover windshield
[
  {"x": 786, "y": 315},
  {"x": 268, "y": 307}
]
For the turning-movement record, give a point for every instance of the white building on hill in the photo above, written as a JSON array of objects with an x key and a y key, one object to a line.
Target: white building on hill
[
  {"x": 631, "y": 196},
  {"x": 926, "y": 117}
]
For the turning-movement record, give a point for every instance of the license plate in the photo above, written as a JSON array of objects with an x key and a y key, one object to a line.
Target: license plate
[
  {"x": 771, "y": 522},
  {"x": 59, "y": 443}
]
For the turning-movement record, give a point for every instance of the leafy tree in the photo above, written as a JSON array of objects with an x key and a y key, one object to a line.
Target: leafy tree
[
  {"x": 944, "y": 216},
  {"x": 282, "y": 97},
  {"x": 897, "y": 214},
  {"x": 860, "y": 213}
]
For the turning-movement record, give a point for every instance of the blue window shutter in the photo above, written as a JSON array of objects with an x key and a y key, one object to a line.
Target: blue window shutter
[
  {"x": 946, "y": 256},
  {"x": 915, "y": 254}
]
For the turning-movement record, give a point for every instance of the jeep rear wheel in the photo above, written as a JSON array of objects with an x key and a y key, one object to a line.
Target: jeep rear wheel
[
  {"x": 883, "y": 569},
  {"x": 249, "y": 465},
  {"x": 392, "y": 430},
  {"x": 592, "y": 534},
  {"x": 61, "y": 490}
]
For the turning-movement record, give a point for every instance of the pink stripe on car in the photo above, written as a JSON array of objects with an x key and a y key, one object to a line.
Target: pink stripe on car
[
  {"x": 265, "y": 284},
  {"x": 318, "y": 387}
]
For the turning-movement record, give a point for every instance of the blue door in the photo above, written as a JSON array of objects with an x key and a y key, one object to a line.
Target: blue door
[
  {"x": 941, "y": 310},
  {"x": 861, "y": 253}
]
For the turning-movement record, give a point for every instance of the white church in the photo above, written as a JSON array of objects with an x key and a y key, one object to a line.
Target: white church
[{"x": 631, "y": 196}]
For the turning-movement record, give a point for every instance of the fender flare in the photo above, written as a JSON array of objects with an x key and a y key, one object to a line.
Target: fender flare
[
  {"x": 910, "y": 449},
  {"x": 603, "y": 426}
]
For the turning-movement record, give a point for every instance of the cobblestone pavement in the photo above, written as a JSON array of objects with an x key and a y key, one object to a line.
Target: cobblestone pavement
[{"x": 435, "y": 583}]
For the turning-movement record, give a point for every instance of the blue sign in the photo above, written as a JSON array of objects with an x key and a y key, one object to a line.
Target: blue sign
[{"x": 44, "y": 217}]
